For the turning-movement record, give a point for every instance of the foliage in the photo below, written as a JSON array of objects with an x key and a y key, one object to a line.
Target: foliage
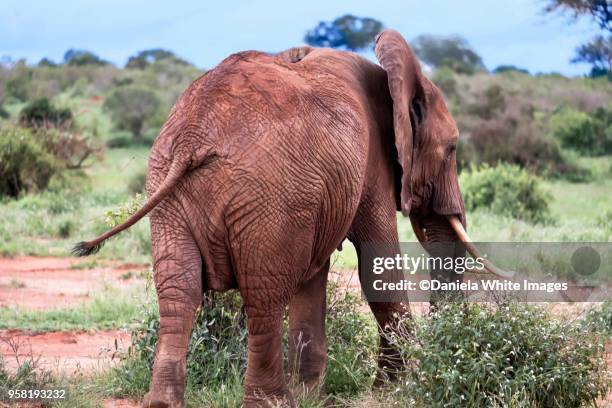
[
  {"x": 41, "y": 112},
  {"x": 444, "y": 78},
  {"x": 27, "y": 376},
  {"x": 587, "y": 134},
  {"x": 347, "y": 32},
  {"x": 352, "y": 340},
  {"x": 71, "y": 148},
  {"x": 504, "y": 126},
  {"x": 515, "y": 354},
  {"x": 501, "y": 69},
  {"x": 599, "y": 10},
  {"x": 138, "y": 181},
  {"x": 46, "y": 62},
  {"x": 24, "y": 164},
  {"x": 452, "y": 51},
  {"x": 600, "y": 318},
  {"x": 217, "y": 350},
  {"x": 17, "y": 88},
  {"x": 82, "y": 57},
  {"x": 131, "y": 106},
  {"x": 505, "y": 190},
  {"x": 119, "y": 215},
  {"x": 597, "y": 53},
  {"x": 147, "y": 57}
]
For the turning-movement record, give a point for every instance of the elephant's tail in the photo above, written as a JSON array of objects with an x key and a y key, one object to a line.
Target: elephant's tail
[{"x": 177, "y": 169}]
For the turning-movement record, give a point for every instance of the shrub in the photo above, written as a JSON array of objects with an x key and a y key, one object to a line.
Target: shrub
[
  {"x": 591, "y": 135},
  {"x": 502, "y": 69},
  {"x": 444, "y": 78},
  {"x": 506, "y": 190},
  {"x": 120, "y": 139},
  {"x": 69, "y": 147},
  {"x": 24, "y": 164},
  {"x": 217, "y": 350},
  {"x": 599, "y": 319},
  {"x": 41, "y": 112},
  {"x": 137, "y": 182},
  {"x": 130, "y": 106},
  {"x": 471, "y": 354},
  {"x": 352, "y": 341}
]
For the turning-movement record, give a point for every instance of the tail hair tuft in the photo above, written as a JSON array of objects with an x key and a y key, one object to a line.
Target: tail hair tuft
[{"x": 85, "y": 249}]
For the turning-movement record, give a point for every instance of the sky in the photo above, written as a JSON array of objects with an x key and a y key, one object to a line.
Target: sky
[{"x": 205, "y": 32}]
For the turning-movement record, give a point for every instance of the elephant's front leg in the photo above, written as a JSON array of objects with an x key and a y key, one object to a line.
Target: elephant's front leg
[
  {"x": 264, "y": 384},
  {"x": 376, "y": 225},
  {"x": 177, "y": 269},
  {"x": 307, "y": 348}
]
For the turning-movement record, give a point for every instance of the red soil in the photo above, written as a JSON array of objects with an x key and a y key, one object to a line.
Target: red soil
[
  {"x": 46, "y": 283},
  {"x": 64, "y": 352}
]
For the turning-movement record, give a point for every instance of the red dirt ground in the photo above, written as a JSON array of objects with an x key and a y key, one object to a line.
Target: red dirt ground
[
  {"x": 65, "y": 352},
  {"x": 43, "y": 283}
]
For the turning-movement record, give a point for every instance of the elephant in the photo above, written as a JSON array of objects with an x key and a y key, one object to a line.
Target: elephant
[{"x": 265, "y": 165}]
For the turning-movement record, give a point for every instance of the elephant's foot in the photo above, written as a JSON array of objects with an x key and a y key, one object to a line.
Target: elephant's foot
[
  {"x": 167, "y": 386},
  {"x": 276, "y": 399},
  {"x": 390, "y": 365},
  {"x": 152, "y": 401}
]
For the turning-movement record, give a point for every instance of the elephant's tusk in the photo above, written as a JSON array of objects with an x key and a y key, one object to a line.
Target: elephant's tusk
[{"x": 467, "y": 242}]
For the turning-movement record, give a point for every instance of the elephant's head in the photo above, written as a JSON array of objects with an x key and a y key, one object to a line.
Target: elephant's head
[{"x": 426, "y": 139}]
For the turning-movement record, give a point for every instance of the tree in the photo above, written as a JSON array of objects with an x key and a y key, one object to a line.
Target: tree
[
  {"x": 598, "y": 51},
  {"x": 42, "y": 113},
  {"x": 46, "y": 62},
  {"x": 82, "y": 57},
  {"x": 599, "y": 10},
  {"x": 147, "y": 57},
  {"x": 130, "y": 106},
  {"x": 510, "y": 68},
  {"x": 346, "y": 32},
  {"x": 452, "y": 51}
]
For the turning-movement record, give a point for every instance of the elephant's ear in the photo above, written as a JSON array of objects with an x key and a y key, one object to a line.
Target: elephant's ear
[{"x": 404, "y": 78}]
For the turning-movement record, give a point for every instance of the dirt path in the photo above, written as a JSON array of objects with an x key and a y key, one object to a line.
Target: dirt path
[
  {"x": 37, "y": 283},
  {"x": 65, "y": 352}
]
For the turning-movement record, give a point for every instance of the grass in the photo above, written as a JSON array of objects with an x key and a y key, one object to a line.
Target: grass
[
  {"x": 113, "y": 308},
  {"x": 50, "y": 223}
]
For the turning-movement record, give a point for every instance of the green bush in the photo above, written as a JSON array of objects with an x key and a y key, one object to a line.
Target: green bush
[
  {"x": 24, "y": 164},
  {"x": 505, "y": 190},
  {"x": 590, "y": 135},
  {"x": 120, "y": 139},
  {"x": 130, "y": 107},
  {"x": 599, "y": 319},
  {"x": 137, "y": 182},
  {"x": 4, "y": 114},
  {"x": 217, "y": 349},
  {"x": 352, "y": 341},
  {"x": 41, "y": 112},
  {"x": 444, "y": 78},
  {"x": 474, "y": 355}
]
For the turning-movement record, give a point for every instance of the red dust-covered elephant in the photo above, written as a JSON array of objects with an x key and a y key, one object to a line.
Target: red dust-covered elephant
[{"x": 264, "y": 166}]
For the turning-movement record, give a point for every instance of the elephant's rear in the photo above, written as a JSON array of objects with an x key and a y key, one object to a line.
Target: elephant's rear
[{"x": 284, "y": 183}]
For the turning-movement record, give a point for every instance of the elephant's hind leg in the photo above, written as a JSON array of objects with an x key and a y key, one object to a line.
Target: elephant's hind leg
[
  {"x": 177, "y": 271},
  {"x": 307, "y": 348}
]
